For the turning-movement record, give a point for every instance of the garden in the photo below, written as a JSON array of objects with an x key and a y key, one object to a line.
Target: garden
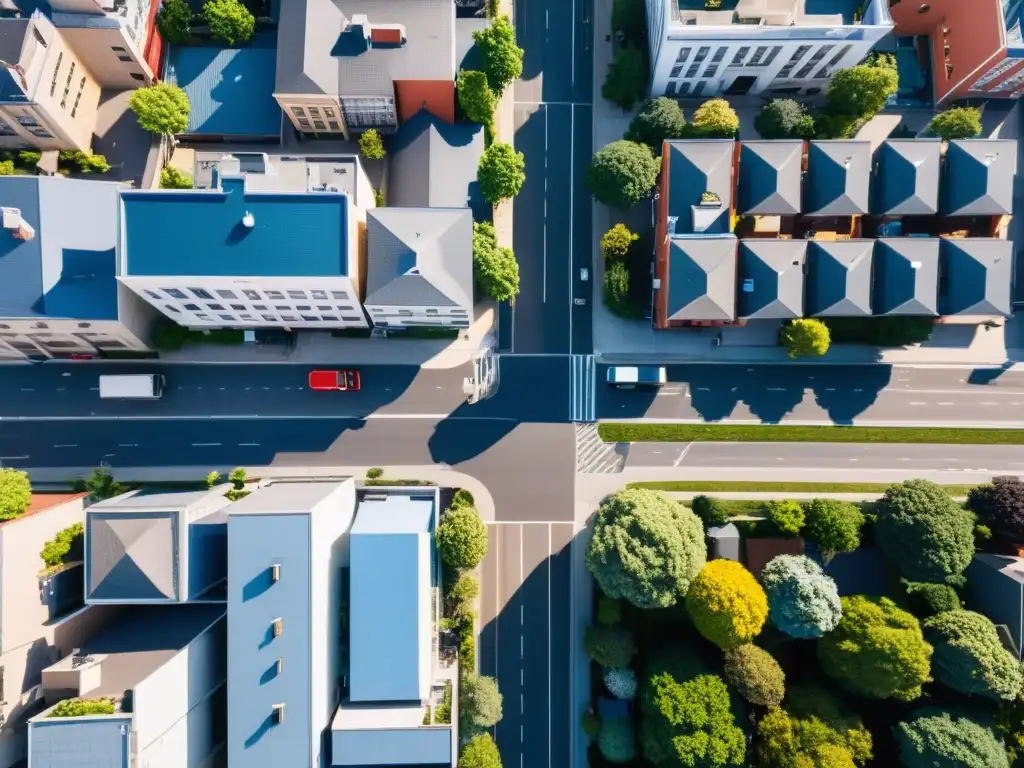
[{"x": 847, "y": 639}]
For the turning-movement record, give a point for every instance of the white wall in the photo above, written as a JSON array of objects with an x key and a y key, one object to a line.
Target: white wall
[{"x": 392, "y": 316}]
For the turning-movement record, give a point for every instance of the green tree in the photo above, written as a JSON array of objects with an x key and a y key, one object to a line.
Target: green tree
[
  {"x": 476, "y": 97},
  {"x": 162, "y": 108},
  {"x": 616, "y": 290},
  {"x": 877, "y": 650},
  {"x": 956, "y": 123},
  {"x": 755, "y": 675},
  {"x": 212, "y": 478},
  {"x": 501, "y": 173},
  {"x": 936, "y": 738},
  {"x": 480, "y": 752},
  {"x": 786, "y": 515},
  {"x": 834, "y": 525},
  {"x": 969, "y": 658},
  {"x": 860, "y": 91},
  {"x": 924, "y": 533},
  {"x": 479, "y": 703},
  {"x": 617, "y": 242},
  {"x": 710, "y": 510},
  {"x": 658, "y": 121},
  {"x": 726, "y": 604},
  {"x": 1000, "y": 506},
  {"x": 645, "y": 548},
  {"x": 625, "y": 82},
  {"x": 229, "y": 21},
  {"x": 462, "y": 538},
  {"x": 65, "y": 547},
  {"x": 923, "y": 599},
  {"x": 609, "y": 610},
  {"x": 784, "y": 119},
  {"x": 172, "y": 178},
  {"x": 622, "y": 173},
  {"x": 495, "y": 267},
  {"x": 371, "y": 144},
  {"x": 617, "y": 740},
  {"x": 715, "y": 119},
  {"x": 805, "y": 337},
  {"x": 462, "y": 594},
  {"x": 174, "y": 20},
  {"x": 628, "y": 21},
  {"x": 611, "y": 647},
  {"x": 802, "y": 601},
  {"x": 237, "y": 478},
  {"x": 101, "y": 485},
  {"x": 15, "y": 493},
  {"x": 1010, "y": 727},
  {"x": 786, "y": 741},
  {"x": 500, "y": 58},
  {"x": 6, "y": 167}
]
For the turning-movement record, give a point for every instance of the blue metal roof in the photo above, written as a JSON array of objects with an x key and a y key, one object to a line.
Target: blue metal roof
[
  {"x": 231, "y": 90},
  {"x": 67, "y": 269},
  {"x": 294, "y": 235}
]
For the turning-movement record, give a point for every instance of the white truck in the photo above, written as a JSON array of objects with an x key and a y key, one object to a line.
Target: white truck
[
  {"x": 630, "y": 377},
  {"x": 136, "y": 386}
]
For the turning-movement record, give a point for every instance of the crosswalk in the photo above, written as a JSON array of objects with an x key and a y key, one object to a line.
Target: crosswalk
[
  {"x": 582, "y": 406},
  {"x": 595, "y": 456}
]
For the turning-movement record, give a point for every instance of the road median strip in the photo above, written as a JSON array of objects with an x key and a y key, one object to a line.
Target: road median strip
[
  {"x": 747, "y": 486},
  {"x": 612, "y": 432}
]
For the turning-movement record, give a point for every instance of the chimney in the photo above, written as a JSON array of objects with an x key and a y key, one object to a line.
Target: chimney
[{"x": 16, "y": 225}]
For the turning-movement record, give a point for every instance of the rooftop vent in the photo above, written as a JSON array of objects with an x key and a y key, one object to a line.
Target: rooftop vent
[
  {"x": 748, "y": 285},
  {"x": 989, "y": 159},
  {"x": 248, "y": 220},
  {"x": 915, "y": 265},
  {"x": 847, "y": 162},
  {"x": 16, "y": 225}
]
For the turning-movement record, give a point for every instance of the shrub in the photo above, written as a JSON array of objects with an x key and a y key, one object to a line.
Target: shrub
[
  {"x": 65, "y": 547},
  {"x": 616, "y": 242},
  {"x": 969, "y": 658},
  {"x": 476, "y": 98},
  {"x": 726, "y": 604},
  {"x": 174, "y": 20},
  {"x": 802, "y": 601},
  {"x": 82, "y": 708},
  {"x": 860, "y": 91},
  {"x": 1010, "y": 726},
  {"x": 480, "y": 752},
  {"x": 443, "y": 713},
  {"x": 923, "y": 532},
  {"x": 645, "y": 548},
  {"x": 212, "y": 479},
  {"x": 784, "y": 119},
  {"x": 6, "y": 167},
  {"x": 100, "y": 484},
  {"x": 877, "y": 650},
  {"x": 834, "y": 525},
  {"x": 936, "y": 738},
  {"x": 622, "y": 173},
  {"x": 29, "y": 158},
  {"x": 467, "y": 652},
  {"x": 755, "y": 675},
  {"x": 237, "y": 478},
  {"x": 710, "y": 510},
  {"x": 462, "y": 595},
  {"x": 805, "y": 337},
  {"x": 616, "y": 290},
  {"x": 628, "y": 20},
  {"x": 625, "y": 81},
  {"x": 501, "y": 173},
  {"x": 715, "y": 119},
  {"x": 374, "y": 473},
  {"x": 611, "y": 647},
  {"x": 462, "y": 497},
  {"x": 371, "y": 145},
  {"x": 787, "y": 516},
  {"x": 956, "y": 123},
  {"x": 500, "y": 58},
  {"x": 462, "y": 538},
  {"x": 621, "y": 683},
  {"x": 479, "y": 703},
  {"x": 15, "y": 493},
  {"x": 1000, "y": 506},
  {"x": 658, "y": 121},
  {"x": 494, "y": 267},
  {"x": 172, "y": 178},
  {"x": 591, "y": 723},
  {"x": 924, "y": 600},
  {"x": 617, "y": 740},
  {"x": 609, "y": 610},
  {"x": 786, "y": 741},
  {"x": 229, "y": 20}
]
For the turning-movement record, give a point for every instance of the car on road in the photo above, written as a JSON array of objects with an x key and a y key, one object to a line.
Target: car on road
[
  {"x": 345, "y": 380},
  {"x": 584, "y": 274}
]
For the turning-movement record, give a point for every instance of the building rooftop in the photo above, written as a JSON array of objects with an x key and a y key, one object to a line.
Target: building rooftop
[
  {"x": 285, "y": 497},
  {"x": 772, "y": 279},
  {"x": 906, "y": 276},
  {"x": 770, "y": 177},
  {"x": 839, "y": 172},
  {"x": 234, "y": 231},
  {"x": 419, "y": 257},
  {"x": 702, "y": 278},
  {"x": 67, "y": 267},
  {"x": 780, "y": 13},
  {"x": 977, "y": 274},
  {"x": 1012, "y": 567},
  {"x": 907, "y": 178},
  {"x": 696, "y": 166},
  {"x": 231, "y": 90},
  {"x": 839, "y": 278},
  {"x": 282, "y": 173},
  {"x": 979, "y": 176}
]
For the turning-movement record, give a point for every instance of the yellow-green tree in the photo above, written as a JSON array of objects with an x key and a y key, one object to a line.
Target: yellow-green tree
[
  {"x": 726, "y": 604},
  {"x": 805, "y": 337}
]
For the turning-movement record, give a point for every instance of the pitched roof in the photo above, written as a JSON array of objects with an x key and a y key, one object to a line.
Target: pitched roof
[
  {"x": 419, "y": 257},
  {"x": 979, "y": 177},
  {"x": 702, "y": 278},
  {"x": 772, "y": 279},
  {"x": 769, "y": 181},
  {"x": 977, "y": 273},
  {"x": 67, "y": 269},
  {"x": 838, "y": 178},
  {"x": 305, "y": 38},
  {"x": 907, "y": 182},
  {"x": 696, "y": 166},
  {"x": 906, "y": 276},
  {"x": 839, "y": 279}
]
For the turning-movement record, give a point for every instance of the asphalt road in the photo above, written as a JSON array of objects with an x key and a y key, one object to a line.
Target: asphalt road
[{"x": 840, "y": 394}]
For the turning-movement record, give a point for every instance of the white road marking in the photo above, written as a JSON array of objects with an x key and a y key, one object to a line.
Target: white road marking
[
  {"x": 548, "y": 560},
  {"x": 205, "y": 445},
  {"x": 66, "y": 445},
  {"x": 544, "y": 243},
  {"x": 682, "y": 455},
  {"x": 776, "y": 389},
  {"x": 947, "y": 403},
  {"x": 12, "y": 458},
  {"x": 248, "y": 445},
  {"x": 27, "y": 389},
  {"x": 62, "y": 389},
  {"x": 572, "y": 135},
  {"x": 917, "y": 402},
  {"x": 127, "y": 445}
]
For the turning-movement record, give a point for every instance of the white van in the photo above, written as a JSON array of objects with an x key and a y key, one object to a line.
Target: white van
[
  {"x": 630, "y": 377},
  {"x": 140, "y": 386}
]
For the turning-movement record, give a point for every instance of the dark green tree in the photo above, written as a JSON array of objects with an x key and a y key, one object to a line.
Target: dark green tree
[
  {"x": 969, "y": 658},
  {"x": 495, "y": 267},
  {"x": 625, "y": 82},
  {"x": 480, "y": 752},
  {"x": 174, "y": 20},
  {"x": 784, "y": 119},
  {"x": 1000, "y": 506},
  {"x": 622, "y": 174},
  {"x": 834, "y": 525},
  {"x": 611, "y": 647},
  {"x": 628, "y": 21},
  {"x": 937, "y": 738},
  {"x": 476, "y": 97},
  {"x": 229, "y": 21},
  {"x": 616, "y": 290},
  {"x": 755, "y": 675},
  {"x": 657, "y": 121},
  {"x": 860, "y": 91},
  {"x": 462, "y": 538},
  {"x": 956, "y": 123}
]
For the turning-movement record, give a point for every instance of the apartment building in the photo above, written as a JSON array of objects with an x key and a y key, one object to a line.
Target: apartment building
[
  {"x": 771, "y": 47},
  {"x": 48, "y": 94},
  {"x": 344, "y": 66}
]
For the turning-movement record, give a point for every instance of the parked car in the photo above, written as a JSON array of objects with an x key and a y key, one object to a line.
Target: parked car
[
  {"x": 584, "y": 274},
  {"x": 345, "y": 380}
]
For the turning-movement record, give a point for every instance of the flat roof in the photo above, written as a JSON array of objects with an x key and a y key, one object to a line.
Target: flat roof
[
  {"x": 283, "y": 497},
  {"x": 149, "y": 499},
  {"x": 351, "y": 716},
  {"x": 284, "y": 172},
  {"x": 394, "y": 513}
]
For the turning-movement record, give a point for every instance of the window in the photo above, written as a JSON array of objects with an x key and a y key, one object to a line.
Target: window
[
  {"x": 118, "y": 49},
  {"x": 226, "y": 294},
  {"x": 125, "y": 58},
  {"x": 322, "y": 295},
  {"x": 296, "y": 294},
  {"x": 67, "y": 85},
  {"x": 304, "y": 123},
  {"x": 138, "y": 76},
  {"x": 40, "y": 132},
  {"x": 344, "y": 308},
  {"x": 283, "y": 307},
  {"x": 720, "y": 54},
  {"x": 288, "y": 318},
  {"x": 711, "y": 71},
  {"x": 229, "y": 318},
  {"x": 6, "y": 129},
  {"x": 702, "y": 53},
  {"x": 740, "y": 55},
  {"x": 215, "y": 307},
  {"x": 303, "y": 307},
  {"x": 260, "y": 307},
  {"x": 238, "y": 306},
  {"x": 683, "y": 55},
  {"x": 203, "y": 317},
  {"x": 819, "y": 54},
  {"x": 369, "y": 112},
  {"x": 319, "y": 125},
  {"x": 275, "y": 295},
  {"x": 314, "y": 112},
  {"x": 332, "y": 318},
  {"x": 797, "y": 55},
  {"x": 200, "y": 293},
  {"x": 684, "y": 88},
  {"x": 269, "y": 318},
  {"x": 28, "y": 121},
  {"x": 247, "y": 317},
  {"x": 405, "y": 312},
  {"x": 170, "y": 308},
  {"x": 329, "y": 112},
  {"x": 323, "y": 308},
  {"x": 676, "y": 71},
  {"x": 311, "y": 318},
  {"x": 759, "y": 52},
  {"x": 175, "y": 293},
  {"x": 692, "y": 71},
  {"x": 56, "y": 69},
  {"x": 431, "y": 311},
  {"x": 298, "y": 111},
  {"x": 699, "y": 89},
  {"x": 254, "y": 295},
  {"x": 776, "y": 50},
  {"x": 339, "y": 295},
  {"x": 74, "y": 107},
  {"x": 193, "y": 308},
  {"x": 670, "y": 90},
  {"x": 333, "y": 126},
  {"x": 349, "y": 319},
  {"x": 153, "y": 294},
  {"x": 826, "y": 70}
]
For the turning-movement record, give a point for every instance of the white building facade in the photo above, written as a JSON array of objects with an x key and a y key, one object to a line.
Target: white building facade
[{"x": 769, "y": 47}]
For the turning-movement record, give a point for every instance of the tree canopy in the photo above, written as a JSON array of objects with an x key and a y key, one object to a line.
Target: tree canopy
[
  {"x": 860, "y": 91},
  {"x": 476, "y": 98},
  {"x": 628, "y": 20},
  {"x": 658, "y": 120},
  {"x": 645, "y": 548},
  {"x": 174, "y": 21},
  {"x": 625, "y": 82},
  {"x": 161, "y": 108},
  {"x": 500, "y": 58},
  {"x": 502, "y": 172},
  {"x": 937, "y": 738},
  {"x": 15, "y": 493},
  {"x": 622, "y": 173},
  {"x": 611, "y": 647},
  {"x": 956, "y": 123},
  {"x": 616, "y": 242},
  {"x": 101, "y": 484},
  {"x": 621, "y": 683},
  {"x": 755, "y": 675},
  {"x": 479, "y": 703},
  {"x": 969, "y": 658},
  {"x": 784, "y": 740},
  {"x": 726, "y": 604},
  {"x": 784, "y": 119},
  {"x": 834, "y": 525},
  {"x": 923, "y": 532},
  {"x": 802, "y": 601},
  {"x": 172, "y": 178},
  {"x": 877, "y": 650},
  {"x": 805, "y": 337},
  {"x": 616, "y": 290},
  {"x": 923, "y": 599},
  {"x": 1000, "y": 506},
  {"x": 480, "y": 752},
  {"x": 371, "y": 144},
  {"x": 229, "y": 20},
  {"x": 786, "y": 515},
  {"x": 462, "y": 538},
  {"x": 715, "y": 119},
  {"x": 616, "y": 740},
  {"x": 495, "y": 267}
]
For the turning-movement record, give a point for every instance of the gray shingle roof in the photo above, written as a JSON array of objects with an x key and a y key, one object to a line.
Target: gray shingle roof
[
  {"x": 133, "y": 555},
  {"x": 979, "y": 177},
  {"x": 839, "y": 278},
  {"x": 977, "y": 273},
  {"x": 838, "y": 178},
  {"x": 306, "y": 35},
  {"x": 907, "y": 181},
  {"x": 419, "y": 257},
  {"x": 702, "y": 278},
  {"x": 906, "y": 276},
  {"x": 696, "y": 166},
  {"x": 772, "y": 279},
  {"x": 769, "y": 181}
]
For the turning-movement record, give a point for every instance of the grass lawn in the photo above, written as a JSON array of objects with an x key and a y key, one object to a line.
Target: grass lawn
[
  {"x": 722, "y": 486},
  {"x": 771, "y": 433}
]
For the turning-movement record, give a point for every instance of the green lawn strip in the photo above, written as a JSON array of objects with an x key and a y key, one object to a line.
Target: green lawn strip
[
  {"x": 611, "y": 432},
  {"x": 750, "y": 486}
]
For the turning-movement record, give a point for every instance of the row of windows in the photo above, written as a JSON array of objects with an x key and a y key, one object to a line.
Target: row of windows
[
  {"x": 763, "y": 56},
  {"x": 409, "y": 312},
  {"x": 317, "y": 118},
  {"x": 246, "y": 317},
  {"x": 248, "y": 293}
]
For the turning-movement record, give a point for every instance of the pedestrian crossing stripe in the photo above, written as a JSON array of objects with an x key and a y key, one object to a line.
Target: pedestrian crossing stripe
[{"x": 582, "y": 396}]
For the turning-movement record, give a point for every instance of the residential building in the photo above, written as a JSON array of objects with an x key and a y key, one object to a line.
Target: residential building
[
  {"x": 164, "y": 669},
  {"x": 244, "y": 257},
  {"x": 838, "y": 177},
  {"x": 59, "y": 293},
  {"x": 995, "y": 588},
  {"x": 419, "y": 267},
  {"x": 344, "y": 66},
  {"x": 48, "y": 95},
  {"x": 772, "y": 177},
  {"x": 979, "y": 177},
  {"x": 771, "y": 47},
  {"x": 976, "y": 276},
  {"x": 839, "y": 278},
  {"x": 287, "y": 565},
  {"x": 772, "y": 279},
  {"x": 906, "y": 276},
  {"x": 907, "y": 177},
  {"x": 701, "y": 284}
]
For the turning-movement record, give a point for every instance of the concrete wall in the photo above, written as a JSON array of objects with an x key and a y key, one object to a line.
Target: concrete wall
[
  {"x": 82, "y": 742},
  {"x": 393, "y": 746},
  {"x": 97, "y": 49}
]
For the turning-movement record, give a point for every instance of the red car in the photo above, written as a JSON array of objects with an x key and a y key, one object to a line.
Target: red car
[{"x": 343, "y": 380}]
